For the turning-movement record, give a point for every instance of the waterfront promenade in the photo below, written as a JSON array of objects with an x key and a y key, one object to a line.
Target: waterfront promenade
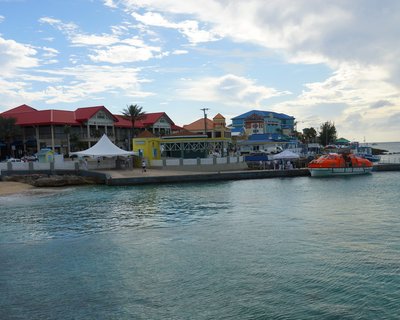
[
  {"x": 161, "y": 176},
  {"x": 151, "y": 176}
]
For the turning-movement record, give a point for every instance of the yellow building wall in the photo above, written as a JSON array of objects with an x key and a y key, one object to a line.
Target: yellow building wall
[{"x": 148, "y": 148}]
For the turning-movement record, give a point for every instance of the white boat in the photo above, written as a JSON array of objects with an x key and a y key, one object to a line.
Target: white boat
[{"x": 366, "y": 153}]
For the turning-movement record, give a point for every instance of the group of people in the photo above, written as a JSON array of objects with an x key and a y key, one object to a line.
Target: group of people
[
  {"x": 83, "y": 163},
  {"x": 276, "y": 165}
]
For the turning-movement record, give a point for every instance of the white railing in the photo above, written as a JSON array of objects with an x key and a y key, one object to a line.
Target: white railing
[
  {"x": 196, "y": 162},
  {"x": 64, "y": 165},
  {"x": 206, "y": 161},
  {"x": 110, "y": 164},
  {"x": 392, "y": 158}
]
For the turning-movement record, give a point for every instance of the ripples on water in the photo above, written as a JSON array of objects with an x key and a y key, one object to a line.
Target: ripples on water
[
  {"x": 298, "y": 248},
  {"x": 78, "y": 211}
]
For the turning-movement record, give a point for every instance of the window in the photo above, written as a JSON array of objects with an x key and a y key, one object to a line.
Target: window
[{"x": 101, "y": 115}]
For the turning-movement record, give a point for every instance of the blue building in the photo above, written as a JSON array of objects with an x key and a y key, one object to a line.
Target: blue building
[
  {"x": 263, "y": 122},
  {"x": 263, "y": 131}
]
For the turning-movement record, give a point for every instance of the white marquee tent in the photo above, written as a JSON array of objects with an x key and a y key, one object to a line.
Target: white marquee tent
[
  {"x": 286, "y": 155},
  {"x": 104, "y": 148}
]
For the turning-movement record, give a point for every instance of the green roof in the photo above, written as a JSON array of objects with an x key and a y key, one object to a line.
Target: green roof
[{"x": 342, "y": 140}]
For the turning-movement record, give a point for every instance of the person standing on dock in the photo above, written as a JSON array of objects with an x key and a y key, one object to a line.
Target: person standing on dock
[{"x": 143, "y": 165}]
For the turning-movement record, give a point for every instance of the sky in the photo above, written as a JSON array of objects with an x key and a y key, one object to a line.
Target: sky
[{"x": 314, "y": 60}]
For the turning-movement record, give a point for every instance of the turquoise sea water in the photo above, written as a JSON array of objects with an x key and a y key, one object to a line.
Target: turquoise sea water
[{"x": 294, "y": 248}]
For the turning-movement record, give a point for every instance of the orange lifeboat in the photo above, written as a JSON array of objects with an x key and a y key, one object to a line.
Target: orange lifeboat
[{"x": 333, "y": 164}]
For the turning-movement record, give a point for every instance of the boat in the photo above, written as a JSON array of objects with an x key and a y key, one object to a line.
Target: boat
[
  {"x": 335, "y": 164},
  {"x": 366, "y": 153}
]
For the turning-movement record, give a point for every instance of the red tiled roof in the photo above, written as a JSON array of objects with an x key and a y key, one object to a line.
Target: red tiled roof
[
  {"x": 20, "y": 109},
  {"x": 219, "y": 116},
  {"x": 26, "y": 116},
  {"x": 147, "y": 120},
  {"x": 44, "y": 117},
  {"x": 83, "y": 114},
  {"x": 198, "y": 125},
  {"x": 122, "y": 122},
  {"x": 150, "y": 118},
  {"x": 174, "y": 127}
]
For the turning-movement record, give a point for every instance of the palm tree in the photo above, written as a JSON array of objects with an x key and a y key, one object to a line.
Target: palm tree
[{"x": 134, "y": 113}]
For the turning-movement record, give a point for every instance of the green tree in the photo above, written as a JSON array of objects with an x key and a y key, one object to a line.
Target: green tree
[
  {"x": 9, "y": 130},
  {"x": 76, "y": 143},
  {"x": 327, "y": 133},
  {"x": 309, "y": 135},
  {"x": 134, "y": 113}
]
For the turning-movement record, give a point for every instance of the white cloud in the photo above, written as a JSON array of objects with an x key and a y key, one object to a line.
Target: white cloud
[
  {"x": 123, "y": 53},
  {"x": 360, "y": 32},
  {"x": 189, "y": 28},
  {"x": 1, "y": 18},
  {"x": 110, "y": 3},
  {"x": 90, "y": 82},
  {"x": 180, "y": 52},
  {"x": 305, "y": 30},
  {"x": 355, "y": 97},
  {"x": 111, "y": 48},
  {"x": 229, "y": 90},
  {"x": 68, "y": 28},
  {"x": 50, "y": 52},
  {"x": 73, "y": 84},
  {"x": 93, "y": 40},
  {"x": 15, "y": 56}
]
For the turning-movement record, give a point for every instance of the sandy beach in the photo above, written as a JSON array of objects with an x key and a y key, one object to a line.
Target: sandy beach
[{"x": 9, "y": 187}]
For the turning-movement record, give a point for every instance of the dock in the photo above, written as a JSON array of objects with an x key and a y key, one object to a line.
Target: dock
[
  {"x": 162, "y": 176},
  {"x": 136, "y": 177}
]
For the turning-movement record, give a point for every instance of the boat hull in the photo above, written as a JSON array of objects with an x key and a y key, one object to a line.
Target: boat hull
[
  {"x": 372, "y": 158},
  {"x": 326, "y": 172}
]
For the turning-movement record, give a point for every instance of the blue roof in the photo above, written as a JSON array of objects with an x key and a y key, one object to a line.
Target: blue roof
[{"x": 264, "y": 114}]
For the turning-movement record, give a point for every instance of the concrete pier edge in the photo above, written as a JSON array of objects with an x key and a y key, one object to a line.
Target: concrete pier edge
[{"x": 160, "y": 177}]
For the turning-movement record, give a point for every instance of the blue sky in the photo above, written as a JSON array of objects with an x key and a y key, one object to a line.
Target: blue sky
[{"x": 315, "y": 60}]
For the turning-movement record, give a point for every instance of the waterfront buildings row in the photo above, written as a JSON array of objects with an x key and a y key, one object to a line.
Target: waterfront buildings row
[{"x": 157, "y": 135}]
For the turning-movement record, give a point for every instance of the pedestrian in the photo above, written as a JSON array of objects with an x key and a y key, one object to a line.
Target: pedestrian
[
  {"x": 84, "y": 164},
  {"x": 143, "y": 165}
]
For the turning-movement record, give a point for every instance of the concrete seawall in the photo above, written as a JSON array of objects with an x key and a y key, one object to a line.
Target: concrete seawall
[
  {"x": 204, "y": 177},
  {"x": 387, "y": 167},
  {"x": 157, "y": 176}
]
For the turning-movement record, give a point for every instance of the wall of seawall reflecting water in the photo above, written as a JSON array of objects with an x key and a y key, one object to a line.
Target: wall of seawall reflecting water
[{"x": 290, "y": 248}]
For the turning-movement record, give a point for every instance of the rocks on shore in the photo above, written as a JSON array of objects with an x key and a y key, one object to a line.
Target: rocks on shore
[{"x": 39, "y": 180}]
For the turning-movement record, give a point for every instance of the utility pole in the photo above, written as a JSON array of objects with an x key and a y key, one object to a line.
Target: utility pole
[{"x": 205, "y": 120}]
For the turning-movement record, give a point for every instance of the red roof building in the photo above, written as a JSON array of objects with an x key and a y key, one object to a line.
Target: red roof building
[{"x": 64, "y": 131}]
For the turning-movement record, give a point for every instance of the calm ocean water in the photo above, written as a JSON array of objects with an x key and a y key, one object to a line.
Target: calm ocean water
[{"x": 295, "y": 248}]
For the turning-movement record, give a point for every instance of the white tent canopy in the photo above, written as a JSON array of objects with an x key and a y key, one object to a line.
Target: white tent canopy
[
  {"x": 286, "y": 155},
  {"x": 104, "y": 148}
]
